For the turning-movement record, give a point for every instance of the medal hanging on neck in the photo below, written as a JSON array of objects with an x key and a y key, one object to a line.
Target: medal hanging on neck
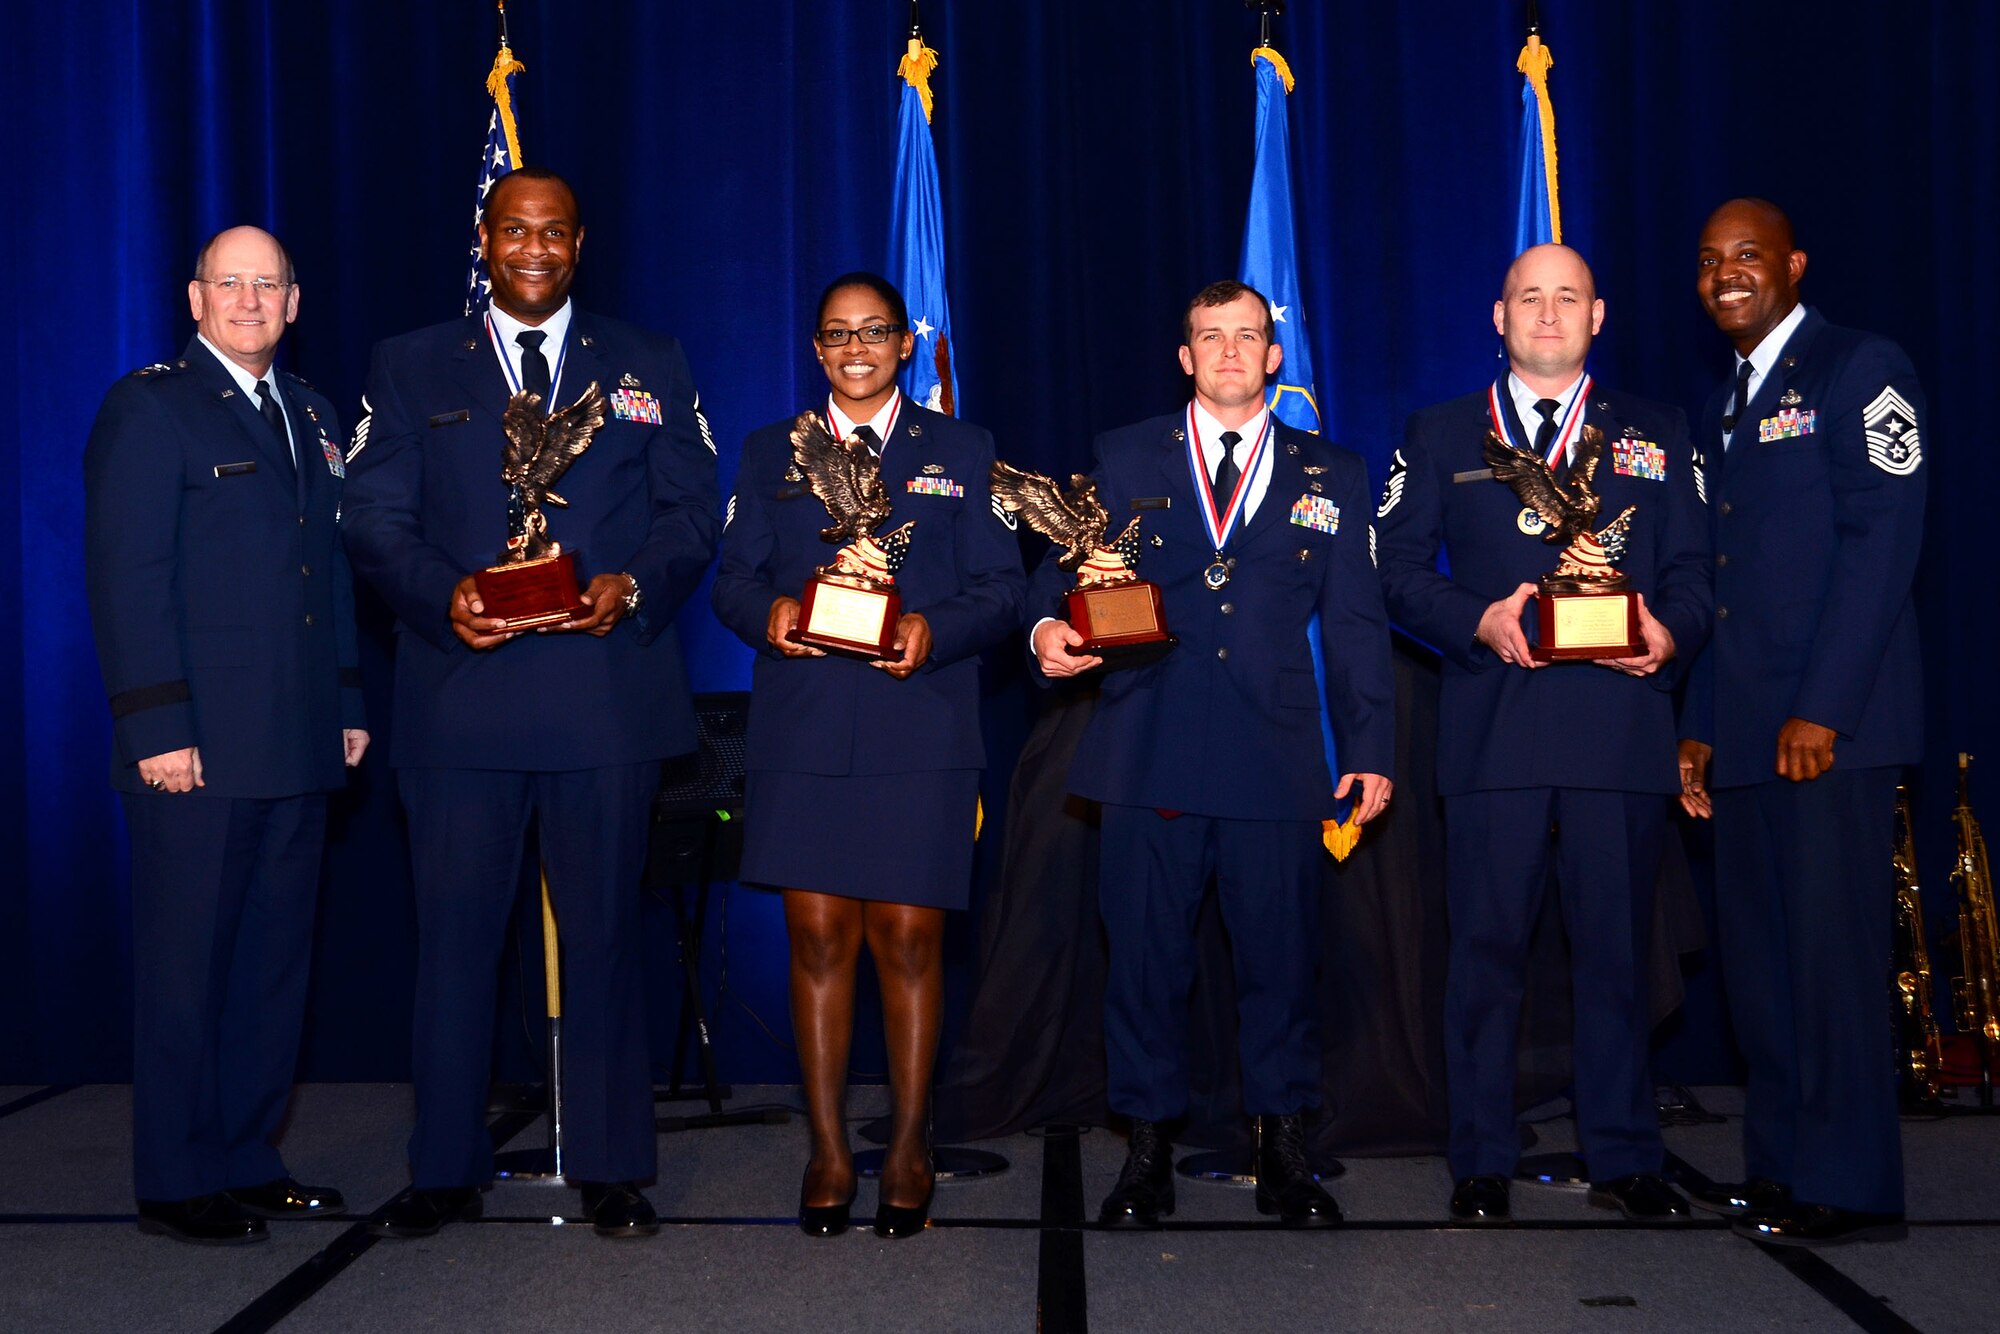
[
  {"x": 1566, "y": 426},
  {"x": 1219, "y": 514}
]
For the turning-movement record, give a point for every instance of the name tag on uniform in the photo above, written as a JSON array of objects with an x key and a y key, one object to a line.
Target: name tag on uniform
[
  {"x": 447, "y": 418},
  {"x": 636, "y": 405},
  {"x": 1317, "y": 513},
  {"x": 933, "y": 486},
  {"x": 1152, "y": 502},
  {"x": 235, "y": 469},
  {"x": 1638, "y": 458},
  {"x": 1474, "y": 475},
  {"x": 1789, "y": 422}
]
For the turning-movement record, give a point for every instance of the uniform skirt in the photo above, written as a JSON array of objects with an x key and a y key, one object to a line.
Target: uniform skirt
[{"x": 895, "y": 838}]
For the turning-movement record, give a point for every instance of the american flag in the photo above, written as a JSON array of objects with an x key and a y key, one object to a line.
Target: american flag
[{"x": 500, "y": 155}]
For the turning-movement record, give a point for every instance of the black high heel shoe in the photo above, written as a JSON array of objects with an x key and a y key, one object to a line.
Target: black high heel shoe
[
  {"x": 895, "y": 1221},
  {"x": 823, "y": 1220}
]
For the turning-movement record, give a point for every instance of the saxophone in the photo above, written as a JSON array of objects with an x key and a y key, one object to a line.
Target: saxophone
[
  {"x": 1917, "y": 1039},
  {"x": 1978, "y": 991}
]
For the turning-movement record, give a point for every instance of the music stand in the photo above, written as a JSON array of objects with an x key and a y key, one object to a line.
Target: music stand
[{"x": 697, "y": 839}]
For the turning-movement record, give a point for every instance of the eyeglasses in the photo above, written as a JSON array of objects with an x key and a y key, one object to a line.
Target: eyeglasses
[
  {"x": 873, "y": 333},
  {"x": 233, "y": 284}
]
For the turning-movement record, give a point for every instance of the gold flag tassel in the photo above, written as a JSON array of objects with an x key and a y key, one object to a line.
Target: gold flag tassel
[
  {"x": 1535, "y": 62},
  {"x": 1270, "y": 53},
  {"x": 1342, "y": 836},
  {"x": 504, "y": 65},
  {"x": 916, "y": 69}
]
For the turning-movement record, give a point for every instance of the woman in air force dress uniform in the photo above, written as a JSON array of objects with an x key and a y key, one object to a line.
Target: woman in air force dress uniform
[{"x": 864, "y": 776}]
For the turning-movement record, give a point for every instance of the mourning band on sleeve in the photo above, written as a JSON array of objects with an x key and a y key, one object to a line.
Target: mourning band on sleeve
[{"x": 128, "y": 702}]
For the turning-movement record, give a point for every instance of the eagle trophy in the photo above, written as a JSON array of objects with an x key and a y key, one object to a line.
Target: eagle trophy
[
  {"x": 540, "y": 449},
  {"x": 848, "y": 481},
  {"x": 1586, "y": 565},
  {"x": 1075, "y": 520}
]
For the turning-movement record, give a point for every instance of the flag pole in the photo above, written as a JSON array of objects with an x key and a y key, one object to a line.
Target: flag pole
[
  {"x": 544, "y": 1166},
  {"x": 1270, "y": 264}
]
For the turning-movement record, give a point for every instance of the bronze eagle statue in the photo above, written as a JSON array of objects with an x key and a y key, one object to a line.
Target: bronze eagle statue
[
  {"x": 1075, "y": 520},
  {"x": 540, "y": 449},
  {"x": 1567, "y": 510},
  {"x": 844, "y": 475}
]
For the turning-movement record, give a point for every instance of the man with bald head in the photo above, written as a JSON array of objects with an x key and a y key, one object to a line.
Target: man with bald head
[
  {"x": 224, "y": 617},
  {"x": 1584, "y": 748},
  {"x": 1798, "y": 720}
]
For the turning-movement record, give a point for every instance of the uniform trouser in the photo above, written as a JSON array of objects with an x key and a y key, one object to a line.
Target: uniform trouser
[
  {"x": 1607, "y": 856},
  {"x": 223, "y": 897},
  {"x": 1152, "y": 874},
  {"x": 467, "y": 829},
  {"x": 1804, "y": 902}
]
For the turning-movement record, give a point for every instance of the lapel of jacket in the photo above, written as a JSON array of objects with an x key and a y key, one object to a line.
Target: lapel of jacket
[
  {"x": 1288, "y": 482},
  {"x": 308, "y": 456},
  {"x": 232, "y": 403},
  {"x": 1774, "y": 385},
  {"x": 583, "y": 365},
  {"x": 475, "y": 367}
]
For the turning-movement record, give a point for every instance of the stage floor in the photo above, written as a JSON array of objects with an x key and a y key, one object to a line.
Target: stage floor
[{"x": 1005, "y": 1253}]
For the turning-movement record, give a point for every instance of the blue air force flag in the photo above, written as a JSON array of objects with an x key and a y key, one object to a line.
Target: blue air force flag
[
  {"x": 1270, "y": 254},
  {"x": 1271, "y": 265},
  {"x": 916, "y": 239}
]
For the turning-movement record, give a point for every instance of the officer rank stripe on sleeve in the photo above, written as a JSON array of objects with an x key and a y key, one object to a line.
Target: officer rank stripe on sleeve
[{"x": 1894, "y": 443}]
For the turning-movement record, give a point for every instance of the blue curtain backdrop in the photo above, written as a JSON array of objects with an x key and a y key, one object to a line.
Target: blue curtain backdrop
[{"x": 1095, "y": 162}]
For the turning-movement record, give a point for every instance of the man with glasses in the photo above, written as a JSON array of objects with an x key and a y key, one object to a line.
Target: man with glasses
[
  {"x": 224, "y": 617},
  {"x": 564, "y": 726},
  {"x": 1210, "y": 762}
]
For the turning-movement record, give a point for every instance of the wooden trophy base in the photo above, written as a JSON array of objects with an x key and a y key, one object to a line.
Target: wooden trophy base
[
  {"x": 533, "y": 592},
  {"x": 856, "y": 617},
  {"x": 1124, "y": 623},
  {"x": 1584, "y": 626}
]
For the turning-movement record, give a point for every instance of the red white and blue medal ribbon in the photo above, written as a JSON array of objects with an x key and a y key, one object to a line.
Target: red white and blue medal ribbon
[
  {"x": 1566, "y": 426},
  {"x": 513, "y": 378},
  {"x": 895, "y": 411},
  {"x": 1221, "y": 520}
]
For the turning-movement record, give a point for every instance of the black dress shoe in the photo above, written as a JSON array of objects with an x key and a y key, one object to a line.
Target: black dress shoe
[
  {"x": 1733, "y": 1199},
  {"x": 205, "y": 1220},
  {"x": 1482, "y": 1199},
  {"x": 1819, "y": 1225},
  {"x": 1642, "y": 1196},
  {"x": 1285, "y": 1182},
  {"x": 823, "y": 1220},
  {"x": 1145, "y": 1188},
  {"x": 896, "y": 1221},
  {"x": 617, "y": 1209},
  {"x": 286, "y": 1198},
  {"x": 420, "y": 1213}
]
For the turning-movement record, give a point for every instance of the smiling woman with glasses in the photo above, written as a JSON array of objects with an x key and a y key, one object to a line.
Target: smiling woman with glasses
[{"x": 864, "y": 776}]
